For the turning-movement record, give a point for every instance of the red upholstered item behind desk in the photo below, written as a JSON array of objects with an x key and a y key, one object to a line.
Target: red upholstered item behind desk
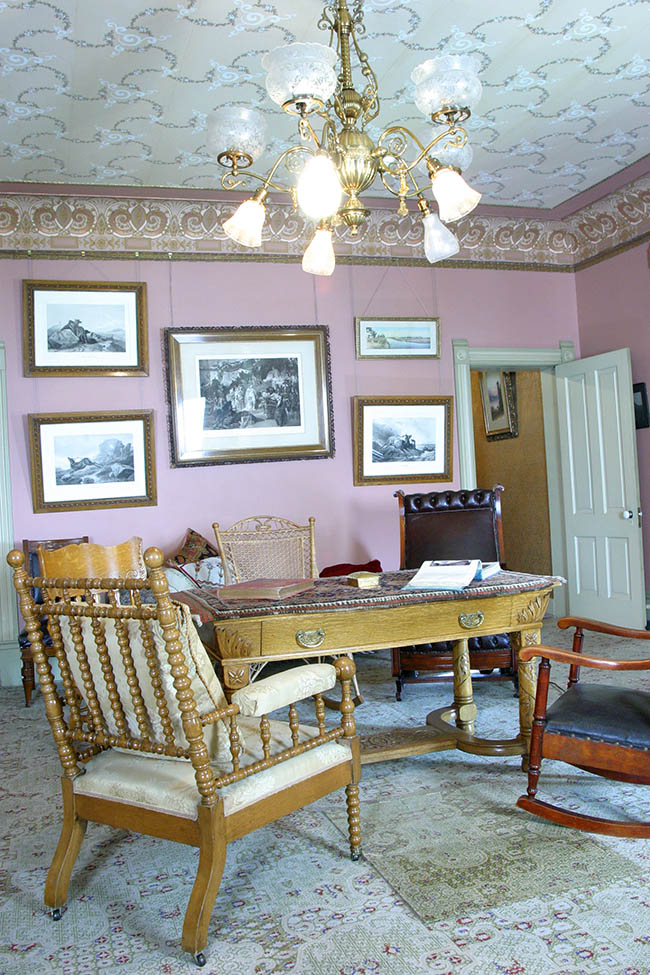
[{"x": 344, "y": 568}]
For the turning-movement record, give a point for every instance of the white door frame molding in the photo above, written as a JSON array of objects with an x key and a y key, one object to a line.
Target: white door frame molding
[
  {"x": 467, "y": 358},
  {"x": 9, "y": 657}
]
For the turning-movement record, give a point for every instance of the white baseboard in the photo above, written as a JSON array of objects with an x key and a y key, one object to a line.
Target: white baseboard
[{"x": 10, "y": 664}]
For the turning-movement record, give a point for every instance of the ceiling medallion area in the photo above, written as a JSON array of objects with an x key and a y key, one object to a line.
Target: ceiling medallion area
[{"x": 336, "y": 159}]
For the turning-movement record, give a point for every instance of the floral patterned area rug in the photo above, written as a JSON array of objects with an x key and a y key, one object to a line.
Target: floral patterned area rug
[{"x": 455, "y": 880}]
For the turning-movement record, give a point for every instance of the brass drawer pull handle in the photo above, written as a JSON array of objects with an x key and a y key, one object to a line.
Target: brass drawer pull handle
[
  {"x": 469, "y": 621},
  {"x": 310, "y": 639}
]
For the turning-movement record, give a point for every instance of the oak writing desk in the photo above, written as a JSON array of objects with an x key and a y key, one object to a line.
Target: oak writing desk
[{"x": 333, "y": 618}]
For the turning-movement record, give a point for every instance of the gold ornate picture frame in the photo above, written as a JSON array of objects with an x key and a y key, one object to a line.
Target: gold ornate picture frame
[
  {"x": 397, "y": 338},
  {"x": 85, "y": 328},
  {"x": 92, "y": 460},
  {"x": 248, "y": 394},
  {"x": 402, "y": 439}
]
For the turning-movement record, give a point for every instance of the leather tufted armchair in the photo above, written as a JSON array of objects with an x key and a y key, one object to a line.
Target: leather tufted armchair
[{"x": 452, "y": 525}]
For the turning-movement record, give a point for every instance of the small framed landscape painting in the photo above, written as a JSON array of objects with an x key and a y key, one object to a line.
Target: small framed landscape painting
[
  {"x": 499, "y": 409},
  {"x": 84, "y": 328},
  {"x": 397, "y": 338},
  {"x": 251, "y": 394},
  {"x": 92, "y": 460},
  {"x": 401, "y": 439}
]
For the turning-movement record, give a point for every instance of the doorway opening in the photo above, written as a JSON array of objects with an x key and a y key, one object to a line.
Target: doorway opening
[{"x": 468, "y": 359}]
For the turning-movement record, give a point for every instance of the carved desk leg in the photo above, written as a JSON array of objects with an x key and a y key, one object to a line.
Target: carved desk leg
[
  {"x": 231, "y": 647},
  {"x": 234, "y": 675},
  {"x": 527, "y": 687},
  {"x": 463, "y": 693}
]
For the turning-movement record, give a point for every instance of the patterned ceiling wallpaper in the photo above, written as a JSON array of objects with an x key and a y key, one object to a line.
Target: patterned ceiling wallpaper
[{"x": 119, "y": 93}]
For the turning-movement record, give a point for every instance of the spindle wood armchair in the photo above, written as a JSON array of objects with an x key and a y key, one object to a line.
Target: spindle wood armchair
[
  {"x": 267, "y": 547},
  {"x": 30, "y": 548},
  {"x": 602, "y": 728},
  {"x": 159, "y": 750}
]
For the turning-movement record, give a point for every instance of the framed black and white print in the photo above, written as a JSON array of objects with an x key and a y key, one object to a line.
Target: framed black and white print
[
  {"x": 248, "y": 394},
  {"x": 92, "y": 460},
  {"x": 84, "y": 328},
  {"x": 401, "y": 439}
]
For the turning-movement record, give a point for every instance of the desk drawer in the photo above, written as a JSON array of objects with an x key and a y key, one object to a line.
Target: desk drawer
[{"x": 315, "y": 633}]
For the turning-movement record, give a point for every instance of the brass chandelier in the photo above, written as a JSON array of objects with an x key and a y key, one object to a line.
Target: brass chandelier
[{"x": 326, "y": 173}]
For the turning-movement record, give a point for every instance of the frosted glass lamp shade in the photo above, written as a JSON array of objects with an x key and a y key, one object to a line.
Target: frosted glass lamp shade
[
  {"x": 447, "y": 82},
  {"x": 245, "y": 225},
  {"x": 454, "y": 197},
  {"x": 319, "y": 256},
  {"x": 319, "y": 188},
  {"x": 233, "y": 128},
  {"x": 300, "y": 71},
  {"x": 439, "y": 242}
]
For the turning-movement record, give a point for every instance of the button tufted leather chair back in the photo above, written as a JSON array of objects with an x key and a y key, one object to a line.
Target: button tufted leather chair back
[{"x": 450, "y": 525}]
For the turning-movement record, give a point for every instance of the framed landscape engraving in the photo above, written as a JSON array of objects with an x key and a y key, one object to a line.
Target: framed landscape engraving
[
  {"x": 401, "y": 439},
  {"x": 397, "y": 338},
  {"x": 92, "y": 460},
  {"x": 242, "y": 395},
  {"x": 84, "y": 328}
]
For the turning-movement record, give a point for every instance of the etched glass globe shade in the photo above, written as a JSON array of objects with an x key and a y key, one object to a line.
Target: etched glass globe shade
[
  {"x": 448, "y": 81},
  {"x": 300, "y": 71},
  {"x": 235, "y": 128}
]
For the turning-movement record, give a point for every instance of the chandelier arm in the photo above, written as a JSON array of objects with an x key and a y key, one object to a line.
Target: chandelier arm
[
  {"x": 231, "y": 180},
  {"x": 424, "y": 150}
]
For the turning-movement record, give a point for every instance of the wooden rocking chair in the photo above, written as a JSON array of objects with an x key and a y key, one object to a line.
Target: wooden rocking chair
[
  {"x": 159, "y": 750},
  {"x": 599, "y": 727}
]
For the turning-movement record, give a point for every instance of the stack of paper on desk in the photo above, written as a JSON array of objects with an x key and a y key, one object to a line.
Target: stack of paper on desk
[{"x": 451, "y": 574}]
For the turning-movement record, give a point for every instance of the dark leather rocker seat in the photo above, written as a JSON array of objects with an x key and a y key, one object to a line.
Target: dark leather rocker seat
[
  {"x": 601, "y": 728},
  {"x": 452, "y": 525}
]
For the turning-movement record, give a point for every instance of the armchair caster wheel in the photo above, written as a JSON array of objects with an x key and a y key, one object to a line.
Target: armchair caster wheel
[
  {"x": 355, "y": 856},
  {"x": 56, "y": 913},
  {"x": 200, "y": 959}
]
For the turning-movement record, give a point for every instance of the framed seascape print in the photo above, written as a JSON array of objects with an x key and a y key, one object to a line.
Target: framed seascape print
[
  {"x": 397, "y": 338},
  {"x": 92, "y": 460},
  {"x": 399, "y": 439},
  {"x": 241, "y": 395},
  {"x": 84, "y": 328},
  {"x": 499, "y": 408}
]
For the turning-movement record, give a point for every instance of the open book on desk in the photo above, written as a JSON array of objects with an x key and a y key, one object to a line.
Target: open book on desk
[{"x": 451, "y": 573}]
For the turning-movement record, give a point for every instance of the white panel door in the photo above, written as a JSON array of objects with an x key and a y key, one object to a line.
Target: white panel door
[{"x": 600, "y": 481}]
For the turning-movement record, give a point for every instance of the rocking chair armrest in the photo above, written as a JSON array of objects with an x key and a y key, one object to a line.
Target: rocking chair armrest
[
  {"x": 280, "y": 690},
  {"x": 580, "y": 659},
  {"x": 597, "y": 627}
]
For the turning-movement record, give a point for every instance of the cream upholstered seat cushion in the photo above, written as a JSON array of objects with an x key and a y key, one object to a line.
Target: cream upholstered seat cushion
[
  {"x": 207, "y": 690},
  {"x": 169, "y": 786},
  {"x": 271, "y": 693}
]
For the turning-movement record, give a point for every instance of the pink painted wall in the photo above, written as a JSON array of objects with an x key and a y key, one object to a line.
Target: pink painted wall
[
  {"x": 614, "y": 313},
  {"x": 487, "y": 307}
]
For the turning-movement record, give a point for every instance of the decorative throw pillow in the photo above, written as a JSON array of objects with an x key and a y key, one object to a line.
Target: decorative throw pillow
[
  {"x": 205, "y": 570},
  {"x": 177, "y": 580},
  {"x": 194, "y": 547}
]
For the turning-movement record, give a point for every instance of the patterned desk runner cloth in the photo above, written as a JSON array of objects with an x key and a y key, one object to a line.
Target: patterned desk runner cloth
[{"x": 332, "y": 594}]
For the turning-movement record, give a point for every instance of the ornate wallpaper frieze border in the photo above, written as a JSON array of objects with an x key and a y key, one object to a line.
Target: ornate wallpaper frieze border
[{"x": 109, "y": 227}]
